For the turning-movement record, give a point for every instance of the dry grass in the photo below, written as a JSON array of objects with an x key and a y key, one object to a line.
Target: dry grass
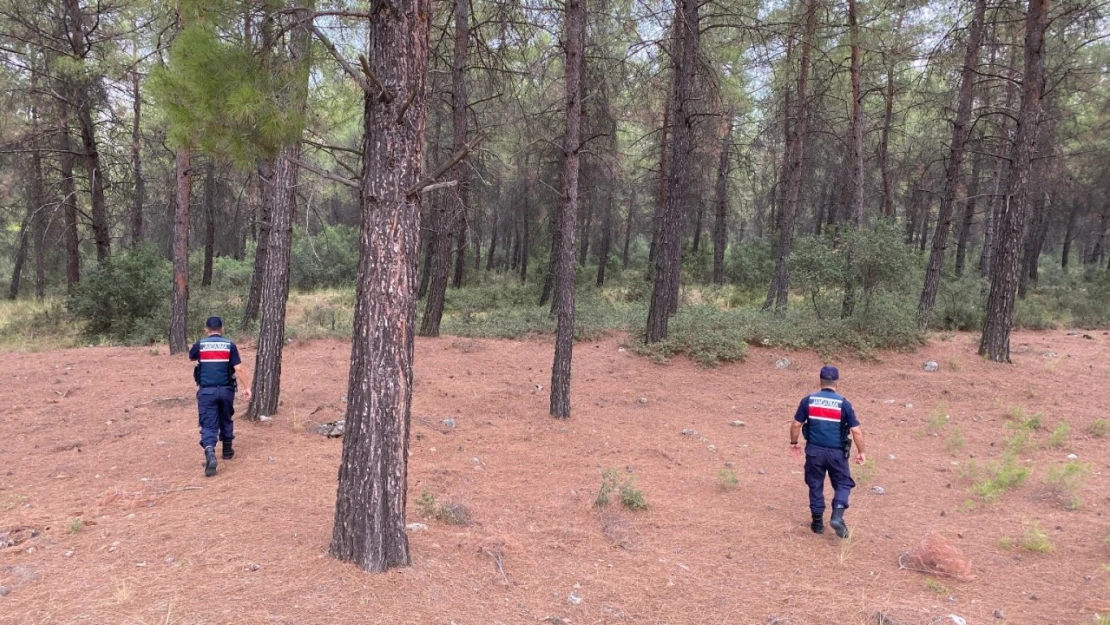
[{"x": 936, "y": 555}]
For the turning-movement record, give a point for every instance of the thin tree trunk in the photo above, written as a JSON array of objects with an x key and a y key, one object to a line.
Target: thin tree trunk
[
  {"x": 995, "y": 343},
  {"x": 266, "y": 168},
  {"x": 139, "y": 200},
  {"x": 36, "y": 196},
  {"x": 373, "y": 473},
  {"x": 855, "y": 153},
  {"x": 69, "y": 200},
  {"x": 969, "y": 214},
  {"x": 575, "y": 12},
  {"x": 606, "y": 243},
  {"x": 779, "y": 293},
  {"x": 439, "y": 269},
  {"x": 953, "y": 178},
  {"x": 627, "y": 235},
  {"x": 720, "y": 224},
  {"x": 887, "y": 209},
  {"x": 524, "y": 239},
  {"x": 553, "y": 257},
  {"x": 266, "y": 383},
  {"x": 179, "y": 303},
  {"x": 664, "y": 151},
  {"x": 459, "y": 103},
  {"x": 20, "y": 254},
  {"x": 1069, "y": 234},
  {"x": 209, "y": 222},
  {"x": 429, "y": 259},
  {"x": 493, "y": 233}
]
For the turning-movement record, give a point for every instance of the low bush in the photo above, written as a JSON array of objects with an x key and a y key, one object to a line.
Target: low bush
[{"x": 117, "y": 295}]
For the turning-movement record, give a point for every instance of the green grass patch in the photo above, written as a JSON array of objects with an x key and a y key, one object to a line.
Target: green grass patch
[
  {"x": 727, "y": 479},
  {"x": 1064, "y": 481},
  {"x": 955, "y": 442},
  {"x": 625, "y": 490},
  {"x": 1059, "y": 435},
  {"x": 938, "y": 417},
  {"x": 450, "y": 512},
  {"x": 1035, "y": 540},
  {"x": 1099, "y": 428}
]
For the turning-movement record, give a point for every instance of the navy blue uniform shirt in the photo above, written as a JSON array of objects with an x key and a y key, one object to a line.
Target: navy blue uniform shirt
[
  {"x": 824, "y": 410},
  {"x": 218, "y": 358}
]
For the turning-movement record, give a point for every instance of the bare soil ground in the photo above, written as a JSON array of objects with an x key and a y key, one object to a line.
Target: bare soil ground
[{"x": 108, "y": 518}]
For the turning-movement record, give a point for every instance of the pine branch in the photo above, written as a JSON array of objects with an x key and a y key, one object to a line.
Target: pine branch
[
  {"x": 385, "y": 97},
  {"x": 366, "y": 87},
  {"x": 326, "y": 174},
  {"x": 439, "y": 185},
  {"x": 443, "y": 169}
]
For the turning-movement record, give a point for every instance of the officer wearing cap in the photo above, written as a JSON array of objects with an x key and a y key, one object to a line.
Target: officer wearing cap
[
  {"x": 827, "y": 419},
  {"x": 217, "y": 372}
]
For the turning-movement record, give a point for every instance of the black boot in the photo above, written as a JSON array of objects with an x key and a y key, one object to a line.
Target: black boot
[
  {"x": 209, "y": 461},
  {"x": 228, "y": 453},
  {"x": 837, "y": 522},
  {"x": 818, "y": 526}
]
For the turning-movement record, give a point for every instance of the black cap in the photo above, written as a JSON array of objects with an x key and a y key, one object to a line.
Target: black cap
[
  {"x": 214, "y": 323},
  {"x": 830, "y": 373}
]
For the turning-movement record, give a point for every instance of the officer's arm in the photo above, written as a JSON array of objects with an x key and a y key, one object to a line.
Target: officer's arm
[
  {"x": 857, "y": 438},
  {"x": 795, "y": 432},
  {"x": 241, "y": 376},
  {"x": 194, "y": 352}
]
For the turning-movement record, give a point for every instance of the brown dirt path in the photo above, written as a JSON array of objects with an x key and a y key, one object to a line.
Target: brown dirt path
[{"x": 108, "y": 436}]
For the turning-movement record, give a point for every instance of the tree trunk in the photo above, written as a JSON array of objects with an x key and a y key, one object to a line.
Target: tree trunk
[
  {"x": 855, "y": 154},
  {"x": 209, "y": 222},
  {"x": 179, "y": 303},
  {"x": 1035, "y": 235},
  {"x": 627, "y": 234},
  {"x": 953, "y": 177},
  {"x": 137, "y": 161},
  {"x": 459, "y": 103},
  {"x": 969, "y": 214},
  {"x": 493, "y": 232},
  {"x": 69, "y": 199},
  {"x": 668, "y": 257},
  {"x": 439, "y": 269},
  {"x": 429, "y": 258},
  {"x": 664, "y": 150},
  {"x": 720, "y": 224},
  {"x": 606, "y": 243},
  {"x": 36, "y": 196},
  {"x": 779, "y": 292},
  {"x": 524, "y": 238},
  {"x": 553, "y": 257},
  {"x": 20, "y": 253},
  {"x": 266, "y": 169},
  {"x": 887, "y": 209},
  {"x": 266, "y": 384},
  {"x": 370, "y": 505},
  {"x": 995, "y": 343},
  {"x": 564, "y": 269},
  {"x": 1069, "y": 234}
]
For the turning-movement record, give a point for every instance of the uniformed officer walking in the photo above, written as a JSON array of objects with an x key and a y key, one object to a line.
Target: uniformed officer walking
[
  {"x": 827, "y": 419},
  {"x": 217, "y": 372}
]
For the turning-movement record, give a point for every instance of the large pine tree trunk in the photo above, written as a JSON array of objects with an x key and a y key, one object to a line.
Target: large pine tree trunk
[
  {"x": 370, "y": 505},
  {"x": 995, "y": 343},
  {"x": 720, "y": 223},
  {"x": 266, "y": 384},
  {"x": 139, "y": 199},
  {"x": 779, "y": 293},
  {"x": 953, "y": 176},
  {"x": 568, "y": 207},
  {"x": 209, "y": 222},
  {"x": 668, "y": 257},
  {"x": 179, "y": 302}
]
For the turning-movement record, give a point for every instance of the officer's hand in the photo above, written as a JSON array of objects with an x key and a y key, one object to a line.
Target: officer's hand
[
  {"x": 795, "y": 451},
  {"x": 861, "y": 458},
  {"x": 247, "y": 393}
]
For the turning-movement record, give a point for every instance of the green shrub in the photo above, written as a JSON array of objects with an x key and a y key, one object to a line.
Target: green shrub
[
  {"x": 1059, "y": 435},
  {"x": 1065, "y": 480},
  {"x": 631, "y": 497},
  {"x": 116, "y": 295},
  {"x": 328, "y": 258},
  {"x": 1099, "y": 428},
  {"x": 707, "y": 334},
  {"x": 1032, "y": 314},
  {"x": 727, "y": 479},
  {"x": 1036, "y": 540},
  {"x": 960, "y": 303}
]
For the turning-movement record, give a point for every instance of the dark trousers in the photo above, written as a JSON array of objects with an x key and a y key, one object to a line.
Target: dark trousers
[
  {"x": 216, "y": 407},
  {"x": 822, "y": 460}
]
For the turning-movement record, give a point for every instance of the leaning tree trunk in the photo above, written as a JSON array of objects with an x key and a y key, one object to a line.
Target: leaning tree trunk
[
  {"x": 370, "y": 504},
  {"x": 995, "y": 343},
  {"x": 779, "y": 292},
  {"x": 665, "y": 276},
  {"x": 953, "y": 177},
  {"x": 209, "y": 222},
  {"x": 266, "y": 383},
  {"x": 720, "y": 223},
  {"x": 568, "y": 207}
]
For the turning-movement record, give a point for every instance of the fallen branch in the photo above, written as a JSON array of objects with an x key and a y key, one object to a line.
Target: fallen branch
[
  {"x": 443, "y": 169},
  {"x": 326, "y": 174},
  {"x": 339, "y": 58},
  {"x": 499, "y": 562},
  {"x": 439, "y": 185}
]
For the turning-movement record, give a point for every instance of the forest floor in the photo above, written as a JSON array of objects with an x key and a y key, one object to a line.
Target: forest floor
[{"x": 107, "y": 518}]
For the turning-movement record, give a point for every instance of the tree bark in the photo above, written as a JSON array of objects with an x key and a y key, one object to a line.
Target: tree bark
[
  {"x": 664, "y": 150},
  {"x": 953, "y": 177},
  {"x": 995, "y": 343},
  {"x": 720, "y": 223},
  {"x": 443, "y": 218},
  {"x": 668, "y": 257},
  {"x": 179, "y": 302},
  {"x": 779, "y": 293},
  {"x": 370, "y": 505},
  {"x": 627, "y": 234},
  {"x": 1069, "y": 234},
  {"x": 209, "y": 221},
  {"x": 266, "y": 383},
  {"x": 575, "y": 19}
]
